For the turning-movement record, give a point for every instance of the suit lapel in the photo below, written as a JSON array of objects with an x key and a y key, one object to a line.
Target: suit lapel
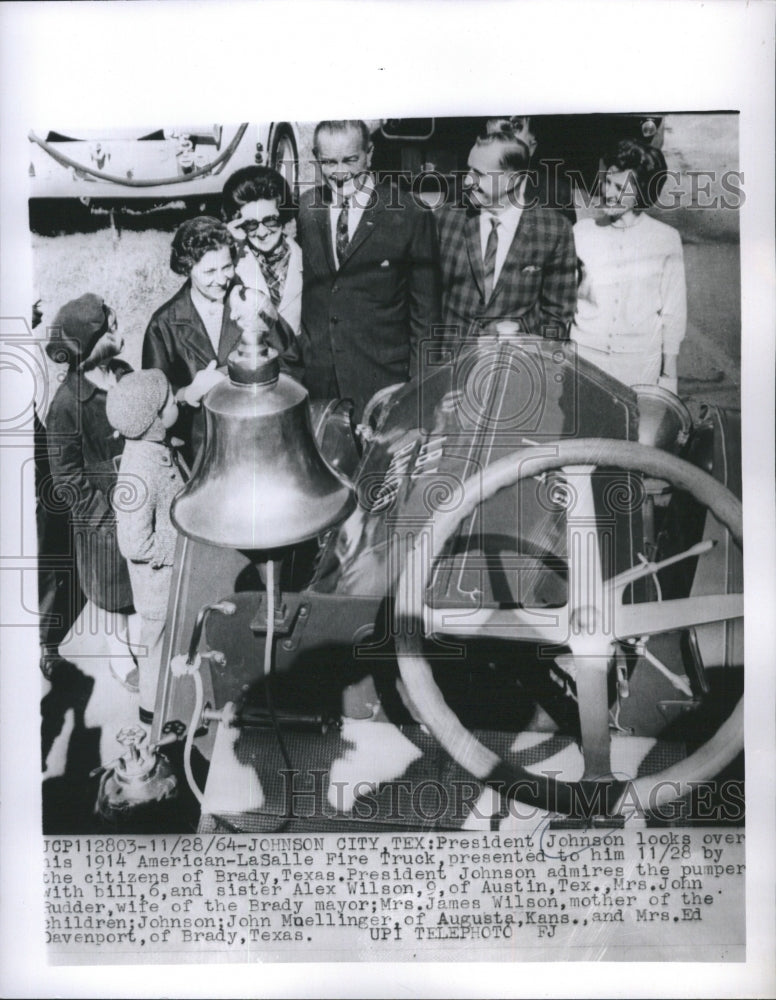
[
  {"x": 366, "y": 224},
  {"x": 471, "y": 232},
  {"x": 320, "y": 210},
  {"x": 521, "y": 242}
]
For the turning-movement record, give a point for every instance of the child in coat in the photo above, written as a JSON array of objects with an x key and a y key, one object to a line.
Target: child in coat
[
  {"x": 83, "y": 453},
  {"x": 142, "y": 408}
]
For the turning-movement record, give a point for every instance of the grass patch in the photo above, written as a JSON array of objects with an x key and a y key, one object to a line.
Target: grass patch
[{"x": 131, "y": 273}]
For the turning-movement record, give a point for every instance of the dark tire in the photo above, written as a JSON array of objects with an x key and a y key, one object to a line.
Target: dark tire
[{"x": 284, "y": 155}]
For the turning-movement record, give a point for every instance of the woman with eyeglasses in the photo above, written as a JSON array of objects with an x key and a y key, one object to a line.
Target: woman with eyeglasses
[{"x": 256, "y": 206}]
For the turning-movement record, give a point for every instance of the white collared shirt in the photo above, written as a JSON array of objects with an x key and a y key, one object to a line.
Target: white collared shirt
[
  {"x": 359, "y": 200},
  {"x": 508, "y": 221},
  {"x": 212, "y": 315}
]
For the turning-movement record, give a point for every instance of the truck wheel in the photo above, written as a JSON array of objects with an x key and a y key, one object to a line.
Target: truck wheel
[{"x": 284, "y": 155}]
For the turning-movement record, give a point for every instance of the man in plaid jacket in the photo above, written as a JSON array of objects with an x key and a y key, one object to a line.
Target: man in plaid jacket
[{"x": 504, "y": 256}]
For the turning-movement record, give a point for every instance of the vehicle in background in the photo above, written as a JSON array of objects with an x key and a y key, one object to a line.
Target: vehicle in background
[
  {"x": 82, "y": 172},
  {"x": 93, "y": 171}
]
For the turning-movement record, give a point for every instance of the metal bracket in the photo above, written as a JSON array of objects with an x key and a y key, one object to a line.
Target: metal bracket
[
  {"x": 174, "y": 726},
  {"x": 260, "y": 718},
  {"x": 290, "y": 618},
  {"x": 664, "y": 707}
]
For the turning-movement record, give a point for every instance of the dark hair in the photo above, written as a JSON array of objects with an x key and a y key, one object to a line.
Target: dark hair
[
  {"x": 515, "y": 155},
  {"x": 194, "y": 238},
  {"x": 514, "y": 124},
  {"x": 648, "y": 165},
  {"x": 354, "y": 124},
  {"x": 256, "y": 184}
]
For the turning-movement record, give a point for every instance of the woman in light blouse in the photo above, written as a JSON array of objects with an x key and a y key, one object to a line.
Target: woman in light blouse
[{"x": 632, "y": 305}]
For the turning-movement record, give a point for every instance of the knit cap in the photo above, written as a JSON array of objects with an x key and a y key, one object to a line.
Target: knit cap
[{"x": 133, "y": 404}]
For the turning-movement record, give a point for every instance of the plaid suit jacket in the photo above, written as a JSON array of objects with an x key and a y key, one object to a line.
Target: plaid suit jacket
[{"x": 537, "y": 285}]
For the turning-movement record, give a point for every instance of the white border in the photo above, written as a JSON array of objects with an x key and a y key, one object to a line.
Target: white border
[{"x": 130, "y": 63}]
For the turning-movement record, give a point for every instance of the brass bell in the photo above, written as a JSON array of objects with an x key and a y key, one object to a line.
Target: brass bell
[{"x": 260, "y": 482}]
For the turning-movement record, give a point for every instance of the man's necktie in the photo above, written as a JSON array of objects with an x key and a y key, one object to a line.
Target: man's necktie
[
  {"x": 343, "y": 239},
  {"x": 489, "y": 260}
]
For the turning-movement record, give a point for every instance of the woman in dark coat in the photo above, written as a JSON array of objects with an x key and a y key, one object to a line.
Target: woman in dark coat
[
  {"x": 83, "y": 452},
  {"x": 190, "y": 337}
]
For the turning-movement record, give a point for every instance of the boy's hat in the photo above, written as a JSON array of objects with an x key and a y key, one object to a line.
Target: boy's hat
[
  {"x": 133, "y": 404},
  {"x": 75, "y": 327}
]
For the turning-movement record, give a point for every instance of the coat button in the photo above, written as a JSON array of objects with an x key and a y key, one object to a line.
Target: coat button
[
  {"x": 335, "y": 288},
  {"x": 334, "y": 319}
]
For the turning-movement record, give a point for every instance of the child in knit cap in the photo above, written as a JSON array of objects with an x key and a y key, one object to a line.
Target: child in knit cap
[{"x": 142, "y": 408}]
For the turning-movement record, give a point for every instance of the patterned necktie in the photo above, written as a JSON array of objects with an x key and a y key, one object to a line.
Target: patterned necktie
[
  {"x": 489, "y": 260},
  {"x": 343, "y": 239}
]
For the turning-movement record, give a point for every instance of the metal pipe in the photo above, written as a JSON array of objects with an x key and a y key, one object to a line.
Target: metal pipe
[{"x": 223, "y": 607}]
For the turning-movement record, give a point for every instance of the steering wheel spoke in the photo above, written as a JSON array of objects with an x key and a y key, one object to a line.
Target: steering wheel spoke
[
  {"x": 592, "y": 681},
  {"x": 653, "y": 617},
  {"x": 590, "y": 624},
  {"x": 549, "y": 625}
]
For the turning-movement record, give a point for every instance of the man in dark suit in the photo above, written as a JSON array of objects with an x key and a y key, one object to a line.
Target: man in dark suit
[
  {"x": 505, "y": 256},
  {"x": 370, "y": 272}
]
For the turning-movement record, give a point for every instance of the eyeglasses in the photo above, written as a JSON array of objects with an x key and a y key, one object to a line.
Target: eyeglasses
[{"x": 271, "y": 223}]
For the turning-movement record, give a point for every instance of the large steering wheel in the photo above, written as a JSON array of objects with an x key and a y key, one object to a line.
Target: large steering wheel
[{"x": 594, "y": 620}]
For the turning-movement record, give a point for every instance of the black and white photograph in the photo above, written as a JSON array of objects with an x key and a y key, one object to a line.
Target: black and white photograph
[
  {"x": 387, "y": 557},
  {"x": 375, "y": 527}
]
